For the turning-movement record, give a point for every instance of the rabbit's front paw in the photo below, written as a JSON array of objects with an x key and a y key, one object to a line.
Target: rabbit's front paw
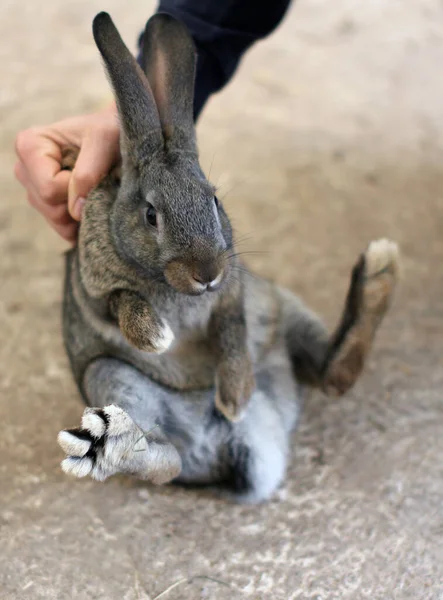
[
  {"x": 148, "y": 335},
  {"x": 108, "y": 442},
  {"x": 139, "y": 323},
  {"x": 164, "y": 339},
  {"x": 156, "y": 339},
  {"x": 234, "y": 385}
]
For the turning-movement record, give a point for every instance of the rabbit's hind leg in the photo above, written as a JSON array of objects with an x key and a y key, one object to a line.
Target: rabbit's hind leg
[
  {"x": 373, "y": 282},
  {"x": 335, "y": 362},
  {"x": 122, "y": 432}
]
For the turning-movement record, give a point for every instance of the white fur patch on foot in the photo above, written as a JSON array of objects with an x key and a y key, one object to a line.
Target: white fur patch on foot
[
  {"x": 113, "y": 436},
  {"x": 119, "y": 422},
  {"x": 164, "y": 340},
  {"x": 381, "y": 275},
  {"x": 122, "y": 447},
  {"x": 93, "y": 423},
  {"x": 382, "y": 255},
  {"x": 79, "y": 467},
  {"x": 115, "y": 445},
  {"x": 73, "y": 445}
]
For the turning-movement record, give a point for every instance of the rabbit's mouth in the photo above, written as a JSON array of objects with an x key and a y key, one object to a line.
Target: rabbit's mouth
[
  {"x": 192, "y": 281},
  {"x": 211, "y": 286}
]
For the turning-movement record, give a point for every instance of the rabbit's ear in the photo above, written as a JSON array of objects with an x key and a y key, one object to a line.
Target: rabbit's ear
[
  {"x": 136, "y": 105},
  {"x": 169, "y": 60}
]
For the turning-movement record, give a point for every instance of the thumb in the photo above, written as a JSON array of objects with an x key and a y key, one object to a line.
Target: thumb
[{"x": 99, "y": 152}]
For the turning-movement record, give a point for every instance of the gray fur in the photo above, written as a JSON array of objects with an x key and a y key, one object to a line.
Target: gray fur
[
  {"x": 134, "y": 97},
  {"x": 173, "y": 88},
  {"x": 154, "y": 414}
]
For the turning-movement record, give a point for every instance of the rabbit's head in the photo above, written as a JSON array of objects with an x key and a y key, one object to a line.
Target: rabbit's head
[{"x": 166, "y": 220}]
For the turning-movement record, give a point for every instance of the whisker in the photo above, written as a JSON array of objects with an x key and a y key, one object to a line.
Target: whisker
[
  {"x": 253, "y": 252},
  {"x": 232, "y": 277},
  {"x": 246, "y": 272},
  {"x": 242, "y": 239},
  {"x": 236, "y": 184},
  {"x": 210, "y": 167},
  {"x": 238, "y": 243}
]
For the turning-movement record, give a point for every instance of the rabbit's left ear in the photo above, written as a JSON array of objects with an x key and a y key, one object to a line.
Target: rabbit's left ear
[
  {"x": 136, "y": 105},
  {"x": 169, "y": 60}
]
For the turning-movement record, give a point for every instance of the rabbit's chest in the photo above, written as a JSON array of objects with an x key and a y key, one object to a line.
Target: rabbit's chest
[
  {"x": 190, "y": 362},
  {"x": 188, "y": 318},
  {"x": 188, "y": 365}
]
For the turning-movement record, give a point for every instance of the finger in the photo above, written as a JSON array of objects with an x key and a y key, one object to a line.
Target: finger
[
  {"x": 40, "y": 169},
  {"x": 20, "y": 174},
  {"x": 68, "y": 232},
  {"x": 98, "y": 154},
  {"x": 56, "y": 215},
  {"x": 58, "y": 218}
]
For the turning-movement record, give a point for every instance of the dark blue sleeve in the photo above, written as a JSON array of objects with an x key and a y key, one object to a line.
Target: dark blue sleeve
[{"x": 223, "y": 30}]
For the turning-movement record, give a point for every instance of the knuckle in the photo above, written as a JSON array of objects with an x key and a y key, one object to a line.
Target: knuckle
[
  {"x": 18, "y": 171},
  {"x": 60, "y": 216},
  {"x": 106, "y": 130},
  {"x": 56, "y": 213},
  {"x": 32, "y": 201},
  {"x": 47, "y": 191},
  {"x": 84, "y": 180},
  {"x": 67, "y": 232},
  {"x": 25, "y": 140}
]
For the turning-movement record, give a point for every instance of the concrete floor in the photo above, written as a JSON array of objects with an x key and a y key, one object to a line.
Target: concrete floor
[{"x": 330, "y": 135}]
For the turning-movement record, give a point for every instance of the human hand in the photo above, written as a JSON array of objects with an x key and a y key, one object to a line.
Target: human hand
[{"x": 57, "y": 194}]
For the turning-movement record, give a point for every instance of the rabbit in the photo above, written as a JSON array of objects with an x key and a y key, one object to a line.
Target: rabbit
[{"x": 192, "y": 371}]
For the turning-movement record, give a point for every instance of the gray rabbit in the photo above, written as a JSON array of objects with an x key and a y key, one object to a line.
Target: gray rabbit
[{"x": 192, "y": 370}]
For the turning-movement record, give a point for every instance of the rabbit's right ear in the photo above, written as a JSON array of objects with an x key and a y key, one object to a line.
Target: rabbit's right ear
[
  {"x": 137, "y": 109},
  {"x": 169, "y": 61}
]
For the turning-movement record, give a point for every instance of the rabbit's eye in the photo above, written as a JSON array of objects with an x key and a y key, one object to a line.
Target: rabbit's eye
[
  {"x": 216, "y": 201},
  {"x": 151, "y": 215}
]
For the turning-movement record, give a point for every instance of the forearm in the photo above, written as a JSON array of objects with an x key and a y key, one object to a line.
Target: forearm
[{"x": 235, "y": 379}]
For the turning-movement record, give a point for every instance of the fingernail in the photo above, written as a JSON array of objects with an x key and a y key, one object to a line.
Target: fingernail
[{"x": 78, "y": 207}]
